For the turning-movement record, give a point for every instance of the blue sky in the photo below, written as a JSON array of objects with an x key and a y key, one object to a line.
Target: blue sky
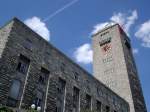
[{"x": 70, "y": 29}]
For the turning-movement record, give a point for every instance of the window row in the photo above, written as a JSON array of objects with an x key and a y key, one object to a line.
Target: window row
[
  {"x": 14, "y": 92},
  {"x": 76, "y": 100}
]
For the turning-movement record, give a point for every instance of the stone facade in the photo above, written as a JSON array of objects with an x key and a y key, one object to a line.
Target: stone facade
[
  {"x": 32, "y": 71},
  {"x": 114, "y": 66}
]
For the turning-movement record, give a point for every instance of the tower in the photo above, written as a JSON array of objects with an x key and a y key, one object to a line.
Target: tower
[{"x": 114, "y": 65}]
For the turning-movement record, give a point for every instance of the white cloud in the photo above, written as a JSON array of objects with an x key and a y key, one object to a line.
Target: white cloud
[
  {"x": 135, "y": 51},
  {"x": 125, "y": 20},
  {"x": 84, "y": 54},
  {"x": 130, "y": 20},
  {"x": 39, "y": 27},
  {"x": 143, "y": 33},
  {"x": 99, "y": 27},
  {"x": 118, "y": 18}
]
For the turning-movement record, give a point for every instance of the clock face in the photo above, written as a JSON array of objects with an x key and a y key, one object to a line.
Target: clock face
[{"x": 106, "y": 48}]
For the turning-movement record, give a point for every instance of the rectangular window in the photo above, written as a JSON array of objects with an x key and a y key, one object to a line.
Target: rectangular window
[
  {"x": 28, "y": 44},
  {"x": 108, "y": 59},
  {"x": 61, "y": 95},
  {"x": 88, "y": 102},
  {"x": 39, "y": 99},
  {"x": 14, "y": 93},
  {"x": 43, "y": 76},
  {"x": 104, "y": 33},
  {"x": 62, "y": 67},
  {"x": 23, "y": 64},
  {"x": 107, "y": 109},
  {"x": 76, "y": 76},
  {"x": 76, "y": 99},
  {"x": 98, "y": 106},
  {"x": 109, "y": 71},
  {"x": 105, "y": 41}
]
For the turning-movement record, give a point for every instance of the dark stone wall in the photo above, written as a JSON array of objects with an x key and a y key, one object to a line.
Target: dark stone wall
[
  {"x": 42, "y": 54},
  {"x": 136, "y": 89}
]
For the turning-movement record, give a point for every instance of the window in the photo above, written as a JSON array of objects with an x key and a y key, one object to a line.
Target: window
[
  {"x": 41, "y": 79},
  {"x": 28, "y": 44},
  {"x": 104, "y": 33},
  {"x": 87, "y": 85},
  {"x": 98, "y": 106},
  {"x": 88, "y": 102},
  {"x": 76, "y": 76},
  {"x": 76, "y": 99},
  {"x": 61, "y": 95},
  {"x": 105, "y": 41},
  {"x": 109, "y": 71},
  {"x": 108, "y": 59},
  {"x": 38, "y": 99},
  {"x": 107, "y": 109},
  {"x": 43, "y": 76},
  {"x": 62, "y": 67},
  {"x": 23, "y": 64},
  {"x": 99, "y": 91},
  {"x": 14, "y": 93}
]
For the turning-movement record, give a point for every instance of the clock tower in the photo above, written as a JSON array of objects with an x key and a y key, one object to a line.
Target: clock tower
[{"x": 114, "y": 65}]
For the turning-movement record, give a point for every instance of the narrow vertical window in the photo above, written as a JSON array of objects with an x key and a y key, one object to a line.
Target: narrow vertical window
[
  {"x": 88, "y": 102},
  {"x": 76, "y": 76},
  {"x": 23, "y": 64},
  {"x": 38, "y": 99},
  {"x": 61, "y": 95},
  {"x": 76, "y": 99},
  {"x": 107, "y": 109},
  {"x": 14, "y": 93},
  {"x": 62, "y": 67},
  {"x": 98, "y": 106},
  {"x": 43, "y": 78}
]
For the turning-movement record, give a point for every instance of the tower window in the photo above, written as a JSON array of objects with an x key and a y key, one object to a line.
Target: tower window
[
  {"x": 105, "y": 45},
  {"x": 104, "y": 33},
  {"x": 108, "y": 59},
  {"x": 109, "y": 71},
  {"x": 23, "y": 64},
  {"x": 105, "y": 41}
]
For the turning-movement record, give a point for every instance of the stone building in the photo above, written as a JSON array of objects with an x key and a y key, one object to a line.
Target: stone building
[
  {"x": 114, "y": 65},
  {"x": 32, "y": 71}
]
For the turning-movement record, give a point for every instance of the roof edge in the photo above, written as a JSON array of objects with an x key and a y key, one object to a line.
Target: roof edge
[{"x": 93, "y": 35}]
